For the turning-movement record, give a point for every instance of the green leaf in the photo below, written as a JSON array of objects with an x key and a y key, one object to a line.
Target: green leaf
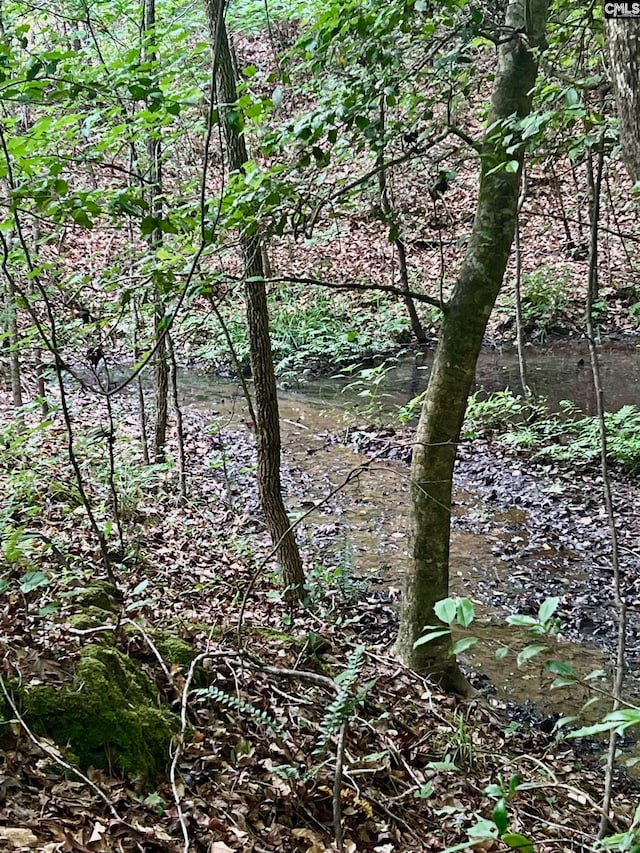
[
  {"x": 483, "y": 828},
  {"x": 447, "y": 764},
  {"x": 462, "y": 645},
  {"x": 499, "y": 815},
  {"x": 522, "y": 621},
  {"x": 571, "y": 97},
  {"x": 148, "y": 225},
  {"x": 465, "y": 612},
  {"x": 446, "y": 610},
  {"x": 562, "y": 681},
  {"x": 33, "y": 580},
  {"x": 427, "y": 638},
  {"x": 512, "y": 167},
  {"x": 548, "y": 608},
  {"x": 530, "y": 652},
  {"x": 502, "y": 653},
  {"x": 559, "y": 667},
  {"x": 518, "y": 842},
  {"x": 595, "y": 673},
  {"x": 424, "y": 792}
]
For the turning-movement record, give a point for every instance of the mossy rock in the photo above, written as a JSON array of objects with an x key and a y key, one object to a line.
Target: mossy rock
[
  {"x": 174, "y": 649},
  {"x": 108, "y": 717},
  {"x": 91, "y": 617},
  {"x": 101, "y": 594}
]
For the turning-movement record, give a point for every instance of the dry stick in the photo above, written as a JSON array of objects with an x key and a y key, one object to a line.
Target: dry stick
[
  {"x": 111, "y": 440},
  {"x": 354, "y": 285},
  {"x": 139, "y": 386},
  {"x": 180, "y": 749},
  {"x": 182, "y": 464},
  {"x": 54, "y": 755},
  {"x": 389, "y": 219},
  {"x": 337, "y": 786},
  {"x": 595, "y": 186}
]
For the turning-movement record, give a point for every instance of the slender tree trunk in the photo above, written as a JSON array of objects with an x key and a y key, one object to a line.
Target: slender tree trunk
[
  {"x": 517, "y": 290},
  {"x": 463, "y": 328},
  {"x": 175, "y": 399},
  {"x": 11, "y": 321},
  {"x": 387, "y": 213},
  {"x": 154, "y": 194},
  {"x": 11, "y": 313},
  {"x": 266, "y": 408}
]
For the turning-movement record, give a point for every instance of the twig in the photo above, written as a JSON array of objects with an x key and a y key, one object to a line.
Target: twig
[
  {"x": 354, "y": 285},
  {"x": 304, "y": 675},
  {"x": 595, "y": 185},
  {"x": 337, "y": 786},
  {"x": 179, "y": 749}
]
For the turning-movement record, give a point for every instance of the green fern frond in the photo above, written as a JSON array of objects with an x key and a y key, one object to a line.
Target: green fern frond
[
  {"x": 343, "y": 705},
  {"x": 235, "y": 704}
]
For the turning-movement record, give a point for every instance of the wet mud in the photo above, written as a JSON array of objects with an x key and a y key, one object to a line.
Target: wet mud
[{"x": 521, "y": 532}]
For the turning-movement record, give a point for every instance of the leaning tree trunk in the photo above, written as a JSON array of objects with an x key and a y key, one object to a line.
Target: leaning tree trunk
[
  {"x": 463, "y": 328},
  {"x": 266, "y": 408},
  {"x": 623, "y": 37}
]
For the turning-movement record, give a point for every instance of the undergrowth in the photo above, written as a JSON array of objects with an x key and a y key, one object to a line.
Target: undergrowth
[{"x": 565, "y": 436}]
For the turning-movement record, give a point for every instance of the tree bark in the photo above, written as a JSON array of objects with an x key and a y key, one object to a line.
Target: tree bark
[
  {"x": 154, "y": 196},
  {"x": 463, "y": 328},
  {"x": 266, "y": 399},
  {"x": 623, "y": 37}
]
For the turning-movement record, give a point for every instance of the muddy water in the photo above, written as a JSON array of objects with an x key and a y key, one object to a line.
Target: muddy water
[
  {"x": 365, "y": 525},
  {"x": 557, "y": 372}
]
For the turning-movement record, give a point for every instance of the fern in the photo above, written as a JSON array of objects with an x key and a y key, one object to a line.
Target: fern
[
  {"x": 344, "y": 703},
  {"x": 235, "y": 704}
]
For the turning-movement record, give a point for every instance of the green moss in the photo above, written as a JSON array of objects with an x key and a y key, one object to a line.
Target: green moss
[
  {"x": 108, "y": 717},
  {"x": 101, "y": 594},
  {"x": 91, "y": 617},
  {"x": 272, "y": 634},
  {"x": 174, "y": 649}
]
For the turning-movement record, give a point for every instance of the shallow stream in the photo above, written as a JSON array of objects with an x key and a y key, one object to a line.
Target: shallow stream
[{"x": 365, "y": 525}]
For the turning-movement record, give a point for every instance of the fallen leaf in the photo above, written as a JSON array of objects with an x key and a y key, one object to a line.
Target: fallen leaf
[{"x": 18, "y": 836}]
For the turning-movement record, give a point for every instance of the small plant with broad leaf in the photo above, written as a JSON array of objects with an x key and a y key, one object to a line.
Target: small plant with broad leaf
[{"x": 450, "y": 611}]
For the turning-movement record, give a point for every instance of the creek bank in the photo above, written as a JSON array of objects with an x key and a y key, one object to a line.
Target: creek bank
[
  {"x": 523, "y": 530},
  {"x": 246, "y": 784},
  {"x": 548, "y": 530}
]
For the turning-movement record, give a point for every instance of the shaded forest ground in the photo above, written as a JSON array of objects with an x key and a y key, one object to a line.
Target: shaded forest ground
[{"x": 256, "y": 767}]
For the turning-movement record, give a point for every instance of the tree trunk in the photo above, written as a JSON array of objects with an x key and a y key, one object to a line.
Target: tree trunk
[
  {"x": 463, "y": 328},
  {"x": 266, "y": 409},
  {"x": 387, "y": 216},
  {"x": 154, "y": 196},
  {"x": 623, "y": 37}
]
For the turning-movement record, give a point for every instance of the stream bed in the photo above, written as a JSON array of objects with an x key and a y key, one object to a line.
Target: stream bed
[{"x": 520, "y": 533}]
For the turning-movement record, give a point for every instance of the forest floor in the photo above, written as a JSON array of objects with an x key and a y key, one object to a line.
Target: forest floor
[{"x": 254, "y": 758}]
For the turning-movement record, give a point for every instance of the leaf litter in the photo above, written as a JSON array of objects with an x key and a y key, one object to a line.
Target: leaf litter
[{"x": 264, "y": 717}]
